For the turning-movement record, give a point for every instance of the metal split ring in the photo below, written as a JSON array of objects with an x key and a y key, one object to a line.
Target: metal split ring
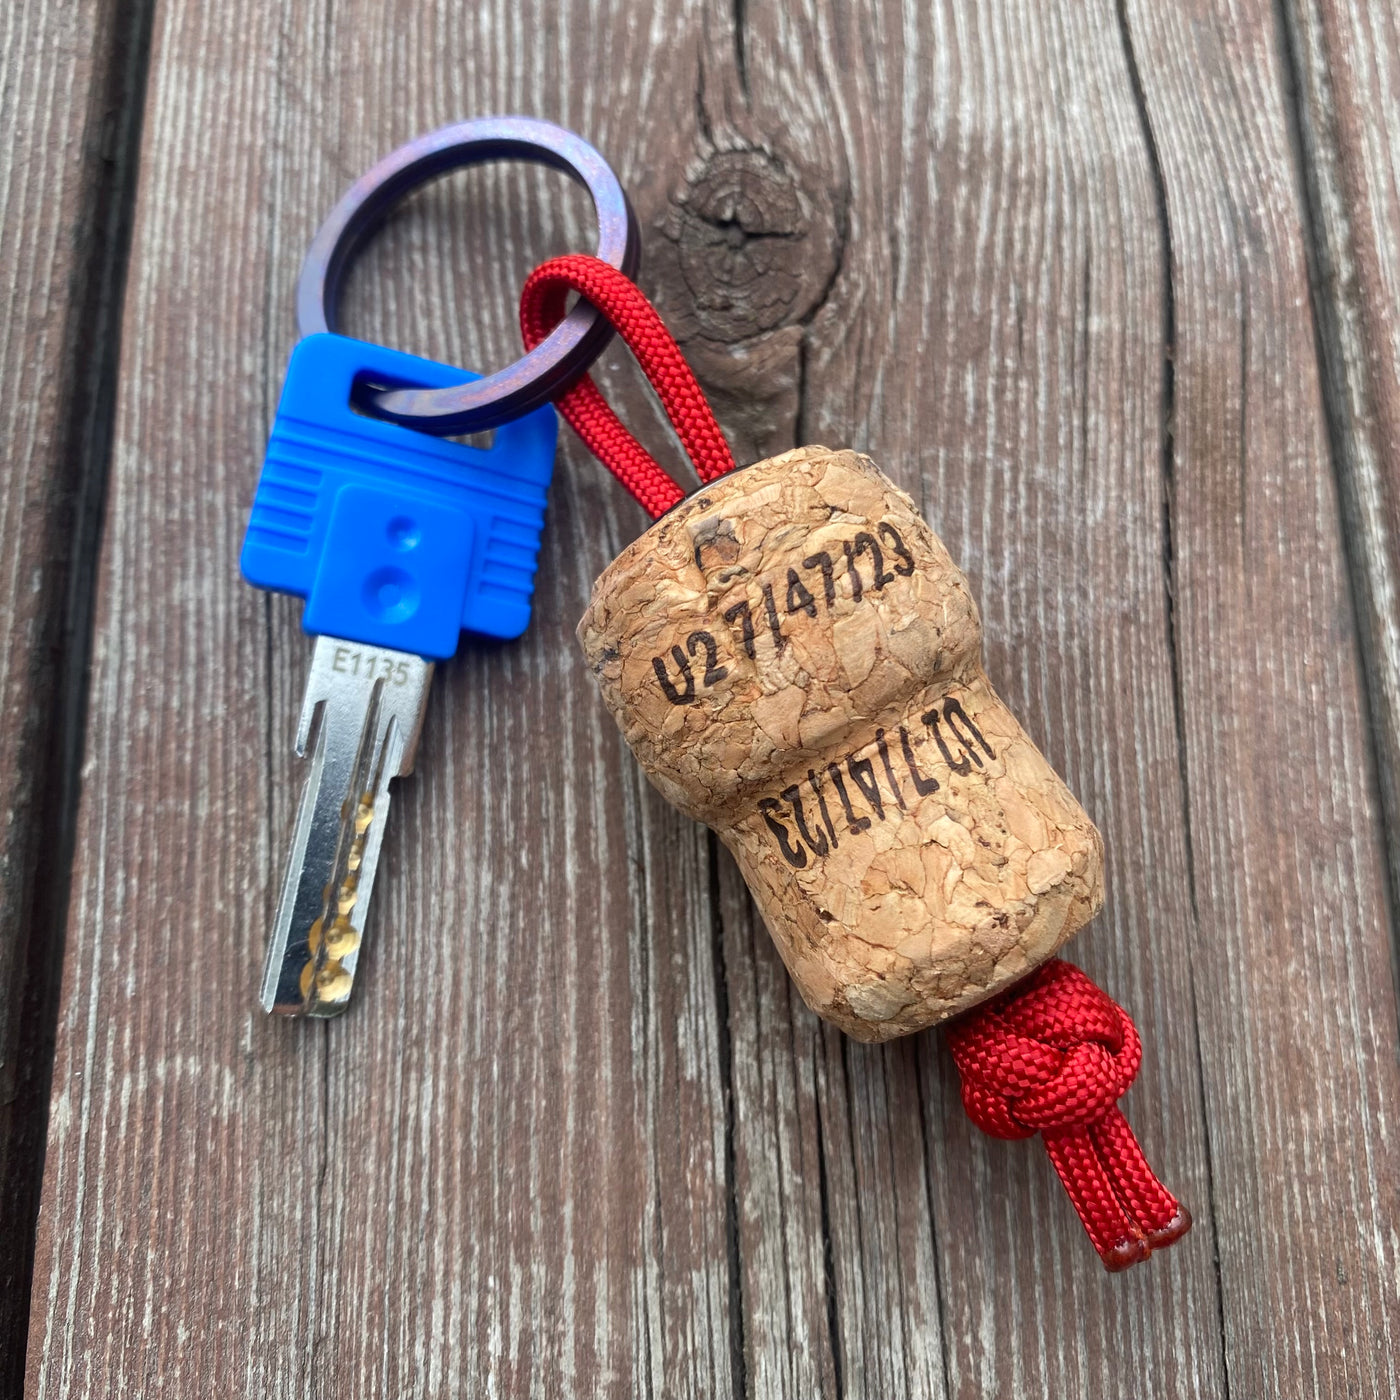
[{"x": 551, "y": 366}]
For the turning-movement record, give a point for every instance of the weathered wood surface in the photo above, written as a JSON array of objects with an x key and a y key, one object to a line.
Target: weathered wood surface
[
  {"x": 1291, "y": 960},
  {"x": 1346, "y": 62},
  {"x": 66, "y": 107},
  {"x": 1049, "y": 265}
]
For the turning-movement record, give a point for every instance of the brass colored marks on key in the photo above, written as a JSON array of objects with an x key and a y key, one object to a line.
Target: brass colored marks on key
[
  {"x": 325, "y": 980},
  {"x": 333, "y": 984}
]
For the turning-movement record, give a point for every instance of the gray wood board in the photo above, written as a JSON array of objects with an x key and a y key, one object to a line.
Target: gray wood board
[
  {"x": 1345, "y": 62},
  {"x": 1047, "y": 264},
  {"x": 67, "y": 106},
  {"x": 1291, "y": 952}
]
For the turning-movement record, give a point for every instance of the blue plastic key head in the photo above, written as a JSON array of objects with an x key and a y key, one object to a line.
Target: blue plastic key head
[{"x": 393, "y": 537}]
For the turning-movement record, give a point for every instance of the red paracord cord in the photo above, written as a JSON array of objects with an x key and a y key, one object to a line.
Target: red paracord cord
[
  {"x": 542, "y": 304},
  {"x": 1051, "y": 1055}
]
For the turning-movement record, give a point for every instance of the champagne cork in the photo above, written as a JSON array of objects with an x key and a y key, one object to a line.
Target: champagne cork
[{"x": 796, "y": 661}]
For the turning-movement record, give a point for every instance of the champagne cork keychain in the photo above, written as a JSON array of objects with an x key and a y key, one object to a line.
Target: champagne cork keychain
[{"x": 795, "y": 660}]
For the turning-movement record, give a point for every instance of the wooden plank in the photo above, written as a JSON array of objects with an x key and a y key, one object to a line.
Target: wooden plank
[
  {"x": 69, "y": 76},
  {"x": 995, "y": 339},
  {"x": 1345, "y": 62},
  {"x": 1291, "y": 948},
  {"x": 504, "y": 1170},
  {"x": 1031, "y": 408}
]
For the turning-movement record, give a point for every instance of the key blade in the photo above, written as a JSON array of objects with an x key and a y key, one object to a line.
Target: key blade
[{"x": 360, "y": 720}]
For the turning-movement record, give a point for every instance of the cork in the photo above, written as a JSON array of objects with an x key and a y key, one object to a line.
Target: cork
[{"x": 796, "y": 661}]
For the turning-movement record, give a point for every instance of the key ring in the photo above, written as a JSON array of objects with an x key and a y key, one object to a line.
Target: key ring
[{"x": 534, "y": 379}]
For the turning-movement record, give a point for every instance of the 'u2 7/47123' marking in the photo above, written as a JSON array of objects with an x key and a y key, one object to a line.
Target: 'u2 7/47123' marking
[{"x": 808, "y": 594}]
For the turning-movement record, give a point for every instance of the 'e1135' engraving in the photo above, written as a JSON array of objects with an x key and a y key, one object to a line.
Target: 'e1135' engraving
[{"x": 372, "y": 665}]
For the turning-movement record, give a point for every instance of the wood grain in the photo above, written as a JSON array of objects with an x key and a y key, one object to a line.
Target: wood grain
[
  {"x": 1345, "y": 64},
  {"x": 1292, "y": 946},
  {"x": 1046, "y": 263},
  {"x": 505, "y": 1169},
  {"x": 1001, "y": 357},
  {"x": 67, "y": 106}
]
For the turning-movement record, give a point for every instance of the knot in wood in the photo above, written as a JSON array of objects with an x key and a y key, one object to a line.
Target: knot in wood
[{"x": 755, "y": 250}]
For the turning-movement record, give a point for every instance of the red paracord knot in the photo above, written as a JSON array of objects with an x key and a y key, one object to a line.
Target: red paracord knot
[
  {"x": 1052, "y": 1056},
  {"x": 542, "y": 305}
]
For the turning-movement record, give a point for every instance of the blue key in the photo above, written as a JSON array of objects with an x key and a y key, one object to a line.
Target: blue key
[{"x": 399, "y": 542}]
